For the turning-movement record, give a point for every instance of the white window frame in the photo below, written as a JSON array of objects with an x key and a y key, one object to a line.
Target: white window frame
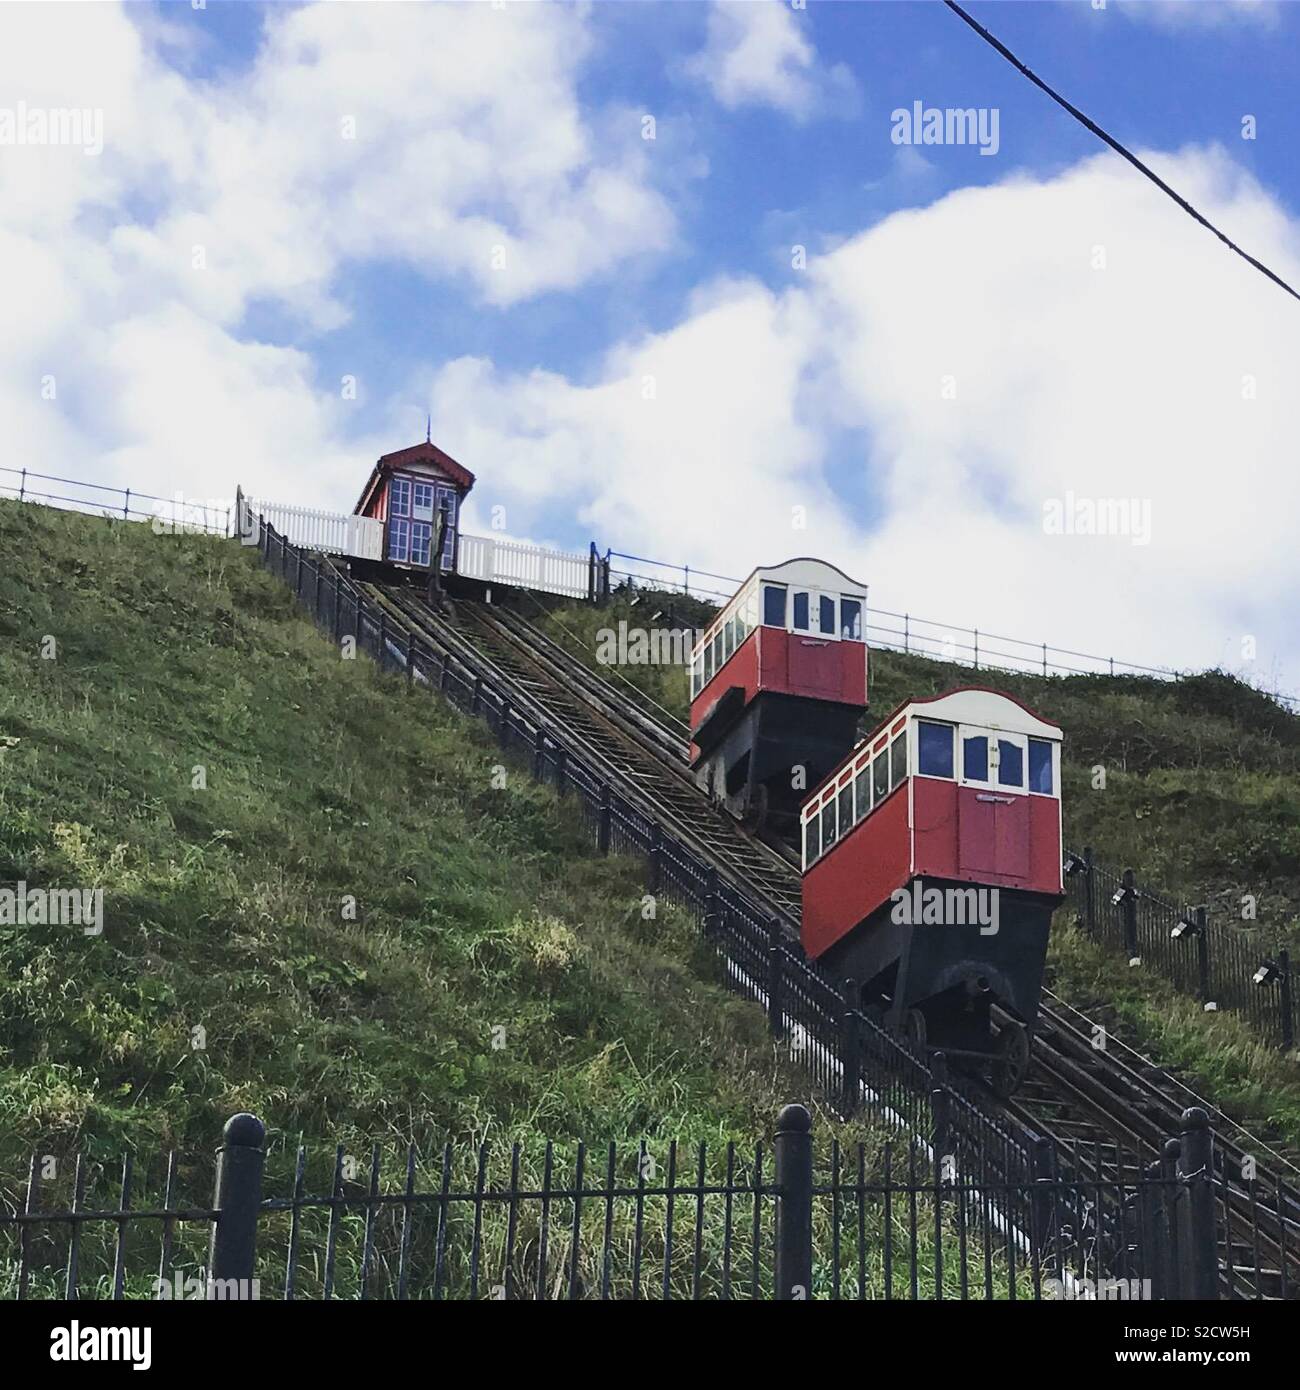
[
  {"x": 422, "y": 512},
  {"x": 1055, "y": 793},
  {"x": 914, "y": 753}
]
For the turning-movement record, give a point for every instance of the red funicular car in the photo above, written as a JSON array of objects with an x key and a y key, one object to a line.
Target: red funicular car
[
  {"x": 778, "y": 683},
  {"x": 932, "y": 867}
]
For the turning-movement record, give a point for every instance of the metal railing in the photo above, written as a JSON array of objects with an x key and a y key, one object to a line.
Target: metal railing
[
  {"x": 660, "y": 1219},
  {"x": 1224, "y": 967},
  {"x": 926, "y": 637},
  {"x": 167, "y": 514}
]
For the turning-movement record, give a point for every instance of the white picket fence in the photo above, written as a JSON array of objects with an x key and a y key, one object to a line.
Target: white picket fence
[
  {"x": 497, "y": 561},
  {"x": 334, "y": 532}
]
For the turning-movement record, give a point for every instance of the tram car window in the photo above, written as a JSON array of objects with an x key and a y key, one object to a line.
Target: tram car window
[
  {"x": 779, "y": 683},
  {"x": 954, "y": 792}
]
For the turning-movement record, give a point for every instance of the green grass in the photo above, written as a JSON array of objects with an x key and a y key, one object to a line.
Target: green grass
[{"x": 324, "y": 904}]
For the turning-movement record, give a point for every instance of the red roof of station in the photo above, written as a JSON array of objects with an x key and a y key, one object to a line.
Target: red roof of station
[{"x": 423, "y": 452}]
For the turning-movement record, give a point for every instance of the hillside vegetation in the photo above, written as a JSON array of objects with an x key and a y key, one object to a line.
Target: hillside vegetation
[{"x": 1201, "y": 797}]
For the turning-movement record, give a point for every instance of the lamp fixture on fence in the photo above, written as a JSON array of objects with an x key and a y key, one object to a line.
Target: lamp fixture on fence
[
  {"x": 1187, "y": 925},
  {"x": 1074, "y": 864},
  {"x": 1269, "y": 972},
  {"x": 1122, "y": 894}
]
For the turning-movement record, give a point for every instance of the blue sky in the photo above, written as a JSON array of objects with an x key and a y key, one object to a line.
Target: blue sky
[{"x": 968, "y": 341}]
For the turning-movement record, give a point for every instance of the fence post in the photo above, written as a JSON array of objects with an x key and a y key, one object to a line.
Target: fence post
[
  {"x": 477, "y": 697},
  {"x": 236, "y": 1199},
  {"x": 503, "y": 728},
  {"x": 977, "y": 649},
  {"x": 1089, "y": 893},
  {"x": 338, "y": 605},
  {"x": 1167, "y": 1262},
  {"x": 712, "y": 907},
  {"x": 1198, "y": 1246},
  {"x": 1042, "y": 1202},
  {"x": 383, "y": 638},
  {"x": 654, "y": 864},
  {"x": 1285, "y": 999},
  {"x": 593, "y": 559},
  {"x": 1203, "y": 955},
  {"x": 775, "y": 980},
  {"x": 315, "y": 608},
  {"x": 126, "y": 505},
  {"x": 539, "y": 755},
  {"x": 850, "y": 1050},
  {"x": 410, "y": 656},
  {"x": 794, "y": 1182},
  {"x": 604, "y": 819},
  {"x": 22, "y": 486},
  {"x": 1129, "y": 908},
  {"x": 939, "y": 1106}
]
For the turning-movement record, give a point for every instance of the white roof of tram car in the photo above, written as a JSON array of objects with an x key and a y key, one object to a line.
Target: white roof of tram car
[
  {"x": 803, "y": 572},
  {"x": 988, "y": 709}
]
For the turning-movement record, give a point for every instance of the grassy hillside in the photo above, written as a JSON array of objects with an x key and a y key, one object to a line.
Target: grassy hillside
[
  {"x": 233, "y": 972},
  {"x": 1201, "y": 796}
]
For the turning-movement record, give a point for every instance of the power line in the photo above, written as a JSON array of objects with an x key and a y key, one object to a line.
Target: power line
[{"x": 1117, "y": 147}]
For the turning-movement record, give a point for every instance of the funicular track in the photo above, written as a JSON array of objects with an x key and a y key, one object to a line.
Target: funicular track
[{"x": 1107, "y": 1118}]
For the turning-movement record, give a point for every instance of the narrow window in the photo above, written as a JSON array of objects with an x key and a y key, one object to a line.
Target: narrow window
[
  {"x": 399, "y": 501},
  {"x": 846, "y": 806},
  {"x": 898, "y": 760},
  {"x": 1011, "y": 764},
  {"x": 975, "y": 758},
  {"x": 828, "y": 824},
  {"x": 811, "y": 839},
  {"x": 1040, "y": 766},
  {"x": 880, "y": 776},
  {"x": 863, "y": 791},
  {"x": 773, "y": 606},
  {"x": 708, "y": 663},
  {"x": 399, "y": 539},
  {"x": 800, "y": 620},
  {"x": 851, "y": 618},
  {"x": 934, "y": 749},
  {"x": 421, "y": 532},
  {"x": 718, "y": 658},
  {"x": 422, "y": 503},
  {"x": 826, "y": 614}
]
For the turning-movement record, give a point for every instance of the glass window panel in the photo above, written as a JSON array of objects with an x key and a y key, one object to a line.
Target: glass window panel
[
  {"x": 421, "y": 535},
  {"x": 880, "y": 776},
  {"x": 1040, "y": 766},
  {"x": 800, "y": 619},
  {"x": 422, "y": 502},
  {"x": 826, "y": 614},
  {"x": 851, "y": 618},
  {"x": 399, "y": 540},
  {"x": 811, "y": 839},
  {"x": 399, "y": 500},
  {"x": 863, "y": 791},
  {"x": 773, "y": 606},
  {"x": 709, "y": 671},
  {"x": 934, "y": 750},
  {"x": 1011, "y": 764},
  {"x": 846, "y": 806},
  {"x": 898, "y": 759},
  {"x": 975, "y": 758},
  {"x": 828, "y": 824},
  {"x": 718, "y": 658}
]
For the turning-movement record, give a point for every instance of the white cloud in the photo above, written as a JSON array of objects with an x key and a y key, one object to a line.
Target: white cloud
[
  {"x": 1201, "y": 14},
  {"x": 758, "y": 53},
  {"x": 1162, "y": 378}
]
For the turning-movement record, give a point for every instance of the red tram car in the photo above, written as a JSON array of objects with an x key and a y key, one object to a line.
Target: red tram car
[
  {"x": 778, "y": 682},
  {"x": 931, "y": 869}
]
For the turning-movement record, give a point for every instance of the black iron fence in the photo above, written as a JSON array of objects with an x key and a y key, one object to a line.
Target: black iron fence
[
  {"x": 536, "y": 1220},
  {"x": 1218, "y": 964},
  {"x": 168, "y": 514}
]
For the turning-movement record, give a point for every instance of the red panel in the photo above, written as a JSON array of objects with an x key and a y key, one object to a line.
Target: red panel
[
  {"x": 934, "y": 817},
  {"x": 1011, "y": 842},
  {"x": 789, "y": 664},
  {"x": 858, "y": 875}
]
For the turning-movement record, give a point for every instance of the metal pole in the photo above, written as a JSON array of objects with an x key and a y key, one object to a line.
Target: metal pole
[
  {"x": 1199, "y": 1247},
  {"x": 126, "y": 505},
  {"x": 1130, "y": 911},
  {"x": 604, "y": 821},
  {"x": 775, "y": 980},
  {"x": 794, "y": 1182},
  {"x": 1203, "y": 955},
  {"x": 1288, "y": 1011},
  {"x": 849, "y": 1050},
  {"x": 237, "y": 1199},
  {"x": 1090, "y": 893},
  {"x": 654, "y": 866}
]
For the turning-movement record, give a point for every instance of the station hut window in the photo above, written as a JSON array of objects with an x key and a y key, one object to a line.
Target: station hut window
[
  {"x": 422, "y": 502},
  {"x": 851, "y": 619},
  {"x": 1040, "y": 767},
  {"x": 934, "y": 749}
]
